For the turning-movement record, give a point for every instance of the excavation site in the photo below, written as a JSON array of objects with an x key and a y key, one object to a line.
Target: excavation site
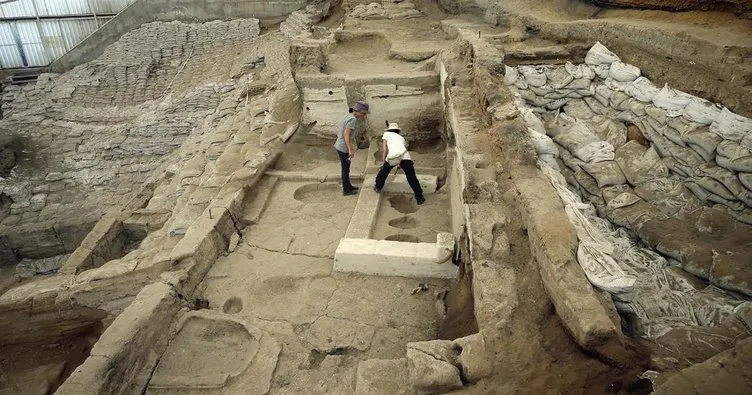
[{"x": 376, "y": 197}]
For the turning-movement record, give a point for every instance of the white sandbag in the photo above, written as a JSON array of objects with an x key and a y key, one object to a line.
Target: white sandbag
[
  {"x": 673, "y": 135},
  {"x": 726, "y": 177},
  {"x": 746, "y": 180},
  {"x": 744, "y": 216},
  {"x": 521, "y": 83},
  {"x": 603, "y": 95},
  {"x": 623, "y": 72},
  {"x": 543, "y": 144},
  {"x": 747, "y": 141},
  {"x": 548, "y": 159},
  {"x": 617, "y": 98},
  {"x": 611, "y": 192},
  {"x": 606, "y": 173},
  {"x": 732, "y": 150},
  {"x": 731, "y": 126},
  {"x": 599, "y": 55},
  {"x": 702, "y": 111},
  {"x": 575, "y": 135},
  {"x": 556, "y": 104},
  {"x": 637, "y": 107},
  {"x": 617, "y": 85},
  {"x": 682, "y": 125},
  {"x": 601, "y": 70},
  {"x": 707, "y": 156},
  {"x": 643, "y": 90},
  {"x": 542, "y": 90},
  {"x": 588, "y": 184},
  {"x": 596, "y": 103},
  {"x": 715, "y": 187},
  {"x": 625, "y": 199},
  {"x": 562, "y": 94},
  {"x": 658, "y": 114},
  {"x": 743, "y": 164},
  {"x": 659, "y": 188},
  {"x": 558, "y": 77},
  {"x": 687, "y": 157},
  {"x": 598, "y": 151},
  {"x": 628, "y": 117},
  {"x": 569, "y": 160},
  {"x": 672, "y": 100},
  {"x": 511, "y": 76},
  {"x": 534, "y": 75},
  {"x": 579, "y": 71},
  {"x": 581, "y": 85},
  {"x": 640, "y": 164},
  {"x": 579, "y": 110},
  {"x": 532, "y": 120},
  {"x": 613, "y": 132}
]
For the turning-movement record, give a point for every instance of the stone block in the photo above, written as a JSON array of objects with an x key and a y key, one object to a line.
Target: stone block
[
  {"x": 475, "y": 360},
  {"x": 430, "y": 374},
  {"x": 391, "y": 258},
  {"x": 365, "y": 213},
  {"x": 378, "y": 376}
]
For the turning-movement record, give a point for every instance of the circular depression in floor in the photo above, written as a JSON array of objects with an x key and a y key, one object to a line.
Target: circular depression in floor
[
  {"x": 317, "y": 193},
  {"x": 404, "y": 204},
  {"x": 233, "y": 305},
  {"x": 404, "y": 223}
]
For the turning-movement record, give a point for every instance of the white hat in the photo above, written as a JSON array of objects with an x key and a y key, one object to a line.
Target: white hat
[{"x": 392, "y": 126}]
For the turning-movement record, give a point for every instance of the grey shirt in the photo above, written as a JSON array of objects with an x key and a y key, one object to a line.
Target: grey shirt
[{"x": 348, "y": 122}]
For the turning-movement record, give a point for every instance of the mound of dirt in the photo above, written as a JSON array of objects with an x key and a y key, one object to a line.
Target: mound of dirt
[{"x": 736, "y": 6}]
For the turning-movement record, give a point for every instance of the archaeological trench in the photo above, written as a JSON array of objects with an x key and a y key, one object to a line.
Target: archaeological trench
[{"x": 172, "y": 220}]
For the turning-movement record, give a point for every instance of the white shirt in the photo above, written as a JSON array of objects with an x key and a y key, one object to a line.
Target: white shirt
[{"x": 396, "y": 145}]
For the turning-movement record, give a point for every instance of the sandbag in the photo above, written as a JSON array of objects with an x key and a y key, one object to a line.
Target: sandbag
[
  {"x": 543, "y": 144},
  {"x": 534, "y": 75},
  {"x": 599, "y": 55},
  {"x": 731, "y": 126},
  {"x": 579, "y": 110},
  {"x": 672, "y": 100},
  {"x": 605, "y": 173},
  {"x": 576, "y": 136},
  {"x": 617, "y": 85},
  {"x": 569, "y": 160},
  {"x": 615, "y": 133},
  {"x": 602, "y": 95},
  {"x": 640, "y": 164},
  {"x": 595, "y": 103},
  {"x": 743, "y": 216},
  {"x": 715, "y": 187},
  {"x": 682, "y": 125},
  {"x": 707, "y": 156},
  {"x": 659, "y": 188},
  {"x": 611, "y": 192},
  {"x": 598, "y": 151},
  {"x": 511, "y": 76},
  {"x": 579, "y": 71},
  {"x": 617, "y": 98},
  {"x": 532, "y": 120},
  {"x": 743, "y": 164},
  {"x": 586, "y": 182},
  {"x": 556, "y": 104},
  {"x": 542, "y": 90},
  {"x": 747, "y": 141},
  {"x": 746, "y": 180},
  {"x": 581, "y": 85},
  {"x": 703, "y": 138},
  {"x": 673, "y": 135},
  {"x": 657, "y": 114},
  {"x": 732, "y": 150},
  {"x": 726, "y": 177},
  {"x": 558, "y": 77},
  {"x": 637, "y": 107},
  {"x": 702, "y": 111},
  {"x": 623, "y": 72},
  {"x": 625, "y": 199},
  {"x": 643, "y": 90}
]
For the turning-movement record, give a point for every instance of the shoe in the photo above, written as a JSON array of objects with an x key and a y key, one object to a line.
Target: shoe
[
  {"x": 350, "y": 193},
  {"x": 377, "y": 189},
  {"x": 420, "y": 200},
  {"x": 354, "y": 188}
]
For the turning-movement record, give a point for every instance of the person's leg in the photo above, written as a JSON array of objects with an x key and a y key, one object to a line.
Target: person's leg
[
  {"x": 345, "y": 163},
  {"x": 381, "y": 177},
  {"x": 412, "y": 179}
]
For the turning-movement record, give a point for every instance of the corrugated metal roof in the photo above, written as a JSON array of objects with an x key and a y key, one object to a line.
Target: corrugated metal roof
[
  {"x": 38, "y": 42},
  {"x": 52, "y": 8}
]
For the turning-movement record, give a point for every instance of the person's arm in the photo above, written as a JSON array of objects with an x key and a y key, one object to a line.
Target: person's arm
[
  {"x": 384, "y": 150},
  {"x": 348, "y": 143}
]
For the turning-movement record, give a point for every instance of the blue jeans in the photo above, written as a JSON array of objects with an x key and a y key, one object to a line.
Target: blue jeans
[
  {"x": 344, "y": 160},
  {"x": 409, "y": 169}
]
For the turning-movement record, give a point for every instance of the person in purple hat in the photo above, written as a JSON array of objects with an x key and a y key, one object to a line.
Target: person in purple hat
[{"x": 345, "y": 144}]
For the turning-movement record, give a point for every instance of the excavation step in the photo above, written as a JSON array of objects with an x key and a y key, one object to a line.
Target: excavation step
[{"x": 396, "y": 258}]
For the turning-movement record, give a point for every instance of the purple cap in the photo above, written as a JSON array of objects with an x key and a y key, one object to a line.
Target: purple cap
[{"x": 360, "y": 106}]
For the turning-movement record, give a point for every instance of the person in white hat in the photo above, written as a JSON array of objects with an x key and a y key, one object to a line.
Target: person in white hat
[
  {"x": 345, "y": 144},
  {"x": 394, "y": 152}
]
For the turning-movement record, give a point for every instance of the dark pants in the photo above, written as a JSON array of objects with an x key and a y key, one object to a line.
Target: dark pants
[
  {"x": 409, "y": 169},
  {"x": 344, "y": 160}
]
